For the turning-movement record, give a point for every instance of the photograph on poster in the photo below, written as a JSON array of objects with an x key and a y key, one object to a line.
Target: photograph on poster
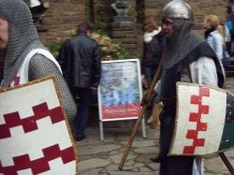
[{"x": 120, "y": 90}]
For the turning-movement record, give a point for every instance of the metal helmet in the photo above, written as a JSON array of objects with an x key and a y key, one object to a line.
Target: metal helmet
[{"x": 177, "y": 9}]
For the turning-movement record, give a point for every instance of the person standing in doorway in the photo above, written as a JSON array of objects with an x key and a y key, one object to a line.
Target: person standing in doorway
[{"x": 37, "y": 7}]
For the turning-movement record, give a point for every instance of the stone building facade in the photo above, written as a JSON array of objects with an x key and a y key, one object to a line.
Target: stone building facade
[{"x": 63, "y": 16}]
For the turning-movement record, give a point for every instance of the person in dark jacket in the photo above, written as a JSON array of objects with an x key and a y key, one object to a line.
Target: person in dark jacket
[
  {"x": 153, "y": 45},
  {"x": 37, "y": 7},
  {"x": 63, "y": 60},
  {"x": 83, "y": 74}
]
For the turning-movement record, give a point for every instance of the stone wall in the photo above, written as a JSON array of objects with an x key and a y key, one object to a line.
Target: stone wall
[
  {"x": 199, "y": 7},
  {"x": 61, "y": 17},
  {"x": 64, "y": 15}
]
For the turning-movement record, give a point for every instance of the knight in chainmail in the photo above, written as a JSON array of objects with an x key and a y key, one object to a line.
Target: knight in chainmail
[
  {"x": 187, "y": 58},
  {"x": 23, "y": 41}
]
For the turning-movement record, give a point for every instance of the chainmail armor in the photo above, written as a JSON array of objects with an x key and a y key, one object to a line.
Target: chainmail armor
[
  {"x": 41, "y": 67},
  {"x": 23, "y": 38},
  {"x": 180, "y": 42}
]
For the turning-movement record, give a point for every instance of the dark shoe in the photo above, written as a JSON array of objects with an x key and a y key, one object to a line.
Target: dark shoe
[
  {"x": 80, "y": 138},
  {"x": 156, "y": 159}
]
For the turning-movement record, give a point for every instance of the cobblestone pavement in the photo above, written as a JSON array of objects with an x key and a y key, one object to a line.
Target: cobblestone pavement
[{"x": 98, "y": 157}]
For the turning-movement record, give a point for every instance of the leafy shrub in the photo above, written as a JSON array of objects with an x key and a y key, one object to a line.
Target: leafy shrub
[{"x": 110, "y": 49}]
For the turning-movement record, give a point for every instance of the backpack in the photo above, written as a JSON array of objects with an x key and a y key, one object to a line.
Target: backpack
[
  {"x": 230, "y": 26},
  {"x": 226, "y": 59}
]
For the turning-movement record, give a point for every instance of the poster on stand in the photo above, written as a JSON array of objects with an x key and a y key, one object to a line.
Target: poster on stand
[{"x": 120, "y": 90}]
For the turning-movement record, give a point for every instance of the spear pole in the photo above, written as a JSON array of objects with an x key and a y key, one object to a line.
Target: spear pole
[
  {"x": 226, "y": 162},
  {"x": 141, "y": 114}
]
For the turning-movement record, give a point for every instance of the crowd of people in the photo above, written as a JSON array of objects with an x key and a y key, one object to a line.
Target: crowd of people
[{"x": 187, "y": 57}]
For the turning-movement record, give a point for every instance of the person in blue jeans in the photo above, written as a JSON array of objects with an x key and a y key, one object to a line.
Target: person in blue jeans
[
  {"x": 83, "y": 72},
  {"x": 83, "y": 112}
]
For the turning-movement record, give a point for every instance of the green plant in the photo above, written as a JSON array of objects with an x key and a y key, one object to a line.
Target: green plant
[
  {"x": 56, "y": 45},
  {"x": 110, "y": 49}
]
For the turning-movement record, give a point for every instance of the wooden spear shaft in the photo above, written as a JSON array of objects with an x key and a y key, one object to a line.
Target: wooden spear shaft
[
  {"x": 131, "y": 138},
  {"x": 141, "y": 114},
  {"x": 226, "y": 162}
]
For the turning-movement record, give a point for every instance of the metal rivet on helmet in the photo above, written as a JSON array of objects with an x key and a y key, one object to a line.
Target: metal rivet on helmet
[{"x": 177, "y": 9}]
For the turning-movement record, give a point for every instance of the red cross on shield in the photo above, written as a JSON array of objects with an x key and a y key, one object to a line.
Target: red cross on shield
[{"x": 35, "y": 137}]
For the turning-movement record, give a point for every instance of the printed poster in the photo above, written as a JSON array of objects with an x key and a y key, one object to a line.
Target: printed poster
[{"x": 120, "y": 90}]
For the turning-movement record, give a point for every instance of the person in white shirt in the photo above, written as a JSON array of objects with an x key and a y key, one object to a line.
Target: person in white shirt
[
  {"x": 214, "y": 37},
  {"x": 34, "y": 3},
  {"x": 37, "y": 7}
]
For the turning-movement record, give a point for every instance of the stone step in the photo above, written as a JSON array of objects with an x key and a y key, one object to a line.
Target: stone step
[
  {"x": 230, "y": 67},
  {"x": 230, "y": 70},
  {"x": 229, "y": 74},
  {"x": 231, "y": 61}
]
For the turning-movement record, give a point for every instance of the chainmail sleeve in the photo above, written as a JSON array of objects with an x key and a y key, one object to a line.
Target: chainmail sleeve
[{"x": 40, "y": 66}]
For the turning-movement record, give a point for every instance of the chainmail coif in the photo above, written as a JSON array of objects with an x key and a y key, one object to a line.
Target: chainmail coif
[
  {"x": 23, "y": 38},
  {"x": 180, "y": 42}
]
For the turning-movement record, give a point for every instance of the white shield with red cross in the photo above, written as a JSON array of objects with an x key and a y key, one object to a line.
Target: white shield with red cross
[
  {"x": 204, "y": 120},
  {"x": 34, "y": 133}
]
